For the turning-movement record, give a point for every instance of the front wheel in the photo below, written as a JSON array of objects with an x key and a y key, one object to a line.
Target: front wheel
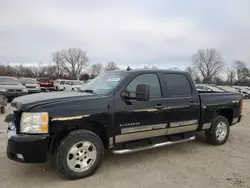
[
  {"x": 79, "y": 155},
  {"x": 219, "y": 131}
]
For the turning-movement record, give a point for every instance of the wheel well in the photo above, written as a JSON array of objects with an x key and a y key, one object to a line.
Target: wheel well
[
  {"x": 95, "y": 127},
  {"x": 227, "y": 113}
]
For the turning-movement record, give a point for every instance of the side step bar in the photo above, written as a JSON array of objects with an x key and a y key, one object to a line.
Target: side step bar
[{"x": 125, "y": 151}]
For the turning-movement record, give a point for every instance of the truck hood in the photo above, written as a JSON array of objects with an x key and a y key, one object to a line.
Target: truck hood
[{"x": 24, "y": 103}]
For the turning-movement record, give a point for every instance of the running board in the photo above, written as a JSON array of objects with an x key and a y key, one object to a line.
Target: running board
[{"x": 125, "y": 151}]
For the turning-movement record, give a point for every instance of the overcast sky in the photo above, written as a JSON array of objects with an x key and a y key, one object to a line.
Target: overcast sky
[{"x": 130, "y": 32}]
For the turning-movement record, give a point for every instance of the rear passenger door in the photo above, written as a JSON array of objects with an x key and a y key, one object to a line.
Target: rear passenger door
[{"x": 182, "y": 102}]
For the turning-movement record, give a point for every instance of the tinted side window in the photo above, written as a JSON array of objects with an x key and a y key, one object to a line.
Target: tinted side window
[
  {"x": 150, "y": 79},
  {"x": 178, "y": 85}
]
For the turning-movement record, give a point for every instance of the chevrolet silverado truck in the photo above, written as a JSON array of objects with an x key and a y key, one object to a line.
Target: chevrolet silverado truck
[{"x": 120, "y": 111}]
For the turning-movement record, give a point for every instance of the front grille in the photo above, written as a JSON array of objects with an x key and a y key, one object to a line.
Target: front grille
[{"x": 14, "y": 90}]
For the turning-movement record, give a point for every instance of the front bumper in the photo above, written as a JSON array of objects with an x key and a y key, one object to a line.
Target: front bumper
[
  {"x": 34, "y": 91},
  {"x": 47, "y": 88},
  {"x": 28, "y": 148}
]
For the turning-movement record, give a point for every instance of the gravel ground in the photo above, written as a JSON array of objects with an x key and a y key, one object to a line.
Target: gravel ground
[{"x": 193, "y": 164}]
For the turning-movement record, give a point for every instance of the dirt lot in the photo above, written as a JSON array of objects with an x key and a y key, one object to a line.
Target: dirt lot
[{"x": 193, "y": 164}]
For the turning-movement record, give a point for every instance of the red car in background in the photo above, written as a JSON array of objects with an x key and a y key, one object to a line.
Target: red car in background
[{"x": 45, "y": 84}]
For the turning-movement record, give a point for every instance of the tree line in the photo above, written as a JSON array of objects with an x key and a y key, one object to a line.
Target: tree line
[
  {"x": 207, "y": 66},
  {"x": 66, "y": 64}
]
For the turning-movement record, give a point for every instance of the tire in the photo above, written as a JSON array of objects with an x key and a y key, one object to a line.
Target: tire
[
  {"x": 2, "y": 109},
  {"x": 212, "y": 134},
  {"x": 73, "y": 142},
  {"x": 72, "y": 89},
  {"x": 64, "y": 89}
]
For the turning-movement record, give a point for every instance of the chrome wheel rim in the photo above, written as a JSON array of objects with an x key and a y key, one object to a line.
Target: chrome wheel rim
[
  {"x": 221, "y": 131},
  {"x": 81, "y": 156}
]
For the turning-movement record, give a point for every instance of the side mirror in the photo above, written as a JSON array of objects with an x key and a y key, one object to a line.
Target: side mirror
[{"x": 142, "y": 92}]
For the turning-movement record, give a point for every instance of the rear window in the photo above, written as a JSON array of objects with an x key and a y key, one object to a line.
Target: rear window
[
  {"x": 178, "y": 85},
  {"x": 28, "y": 81}
]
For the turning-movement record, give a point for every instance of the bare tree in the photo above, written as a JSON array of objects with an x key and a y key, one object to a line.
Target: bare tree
[
  {"x": 96, "y": 69},
  {"x": 230, "y": 76},
  {"x": 57, "y": 59},
  {"x": 73, "y": 60},
  {"x": 111, "y": 66},
  {"x": 208, "y": 62},
  {"x": 192, "y": 72},
  {"x": 242, "y": 72}
]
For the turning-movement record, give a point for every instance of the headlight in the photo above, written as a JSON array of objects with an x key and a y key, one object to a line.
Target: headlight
[
  {"x": 25, "y": 90},
  {"x": 2, "y": 90},
  {"x": 34, "y": 122}
]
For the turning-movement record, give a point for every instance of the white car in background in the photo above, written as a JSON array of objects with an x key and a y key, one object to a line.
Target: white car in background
[
  {"x": 243, "y": 91},
  {"x": 204, "y": 87},
  {"x": 59, "y": 84},
  {"x": 72, "y": 85}
]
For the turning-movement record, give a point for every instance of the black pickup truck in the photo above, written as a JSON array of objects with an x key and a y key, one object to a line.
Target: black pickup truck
[{"x": 121, "y": 111}]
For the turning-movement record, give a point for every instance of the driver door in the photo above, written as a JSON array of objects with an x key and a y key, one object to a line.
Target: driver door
[{"x": 140, "y": 119}]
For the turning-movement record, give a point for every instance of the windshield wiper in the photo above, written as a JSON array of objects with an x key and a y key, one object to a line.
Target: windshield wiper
[{"x": 88, "y": 91}]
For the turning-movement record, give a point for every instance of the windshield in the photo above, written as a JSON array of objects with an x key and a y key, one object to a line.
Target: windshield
[
  {"x": 77, "y": 83},
  {"x": 104, "y": 83},
  {"x": 28, "y": 81},
  {"x": 9, "y": 81}
]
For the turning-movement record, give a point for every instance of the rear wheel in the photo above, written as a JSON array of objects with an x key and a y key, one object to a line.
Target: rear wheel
[
  {"x": 219, "y": 131},
  {"x": 79, "y": 155}
]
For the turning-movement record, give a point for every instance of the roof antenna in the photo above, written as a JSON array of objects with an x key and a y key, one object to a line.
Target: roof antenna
[{"x": 128, "y": 68}]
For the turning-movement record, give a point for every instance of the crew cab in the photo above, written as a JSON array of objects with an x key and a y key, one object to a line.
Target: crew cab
[{"x": 120, "y": 111}]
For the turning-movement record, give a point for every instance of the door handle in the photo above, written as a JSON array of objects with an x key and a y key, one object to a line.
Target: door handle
[
  {"x": 193, "y": 103},
  {"x": 159, "y": 106}
]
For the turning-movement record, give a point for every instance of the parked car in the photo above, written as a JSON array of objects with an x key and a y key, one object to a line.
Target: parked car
[
  {"x": 31, "y": 84},
  {"x": 244, "y": 91},
  {"x": 45, "y": 84},
  {"x": 212, "y": 88},
  {"x": 227, "y": 89},
  {"x": 11, "y": 87},
  {"x": 58, "y": 84},
  {"x": 121, "y": 111},
  {"x": 72, "y": 85}
]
